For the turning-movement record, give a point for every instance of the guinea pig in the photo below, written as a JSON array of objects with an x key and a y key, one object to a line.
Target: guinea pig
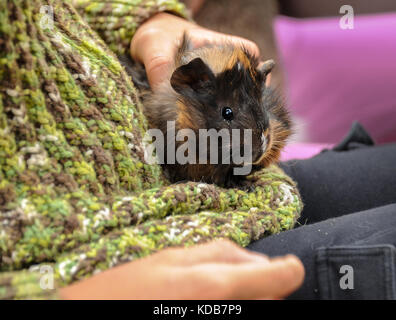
[{"x": 219, "y": 87}]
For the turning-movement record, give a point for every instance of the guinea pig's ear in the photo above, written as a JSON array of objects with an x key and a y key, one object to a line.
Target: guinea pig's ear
[
  {"x": 194, "y": 76},
  {"x": 266, "y": 67}
]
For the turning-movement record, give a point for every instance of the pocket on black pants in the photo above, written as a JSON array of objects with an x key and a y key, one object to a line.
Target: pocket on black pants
[{"x": 356, "y": 272}]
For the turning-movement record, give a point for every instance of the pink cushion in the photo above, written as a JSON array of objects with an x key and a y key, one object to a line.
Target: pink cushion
[
  {"x": 302, "y": 150},
  {"x": 336, "y": 76}
]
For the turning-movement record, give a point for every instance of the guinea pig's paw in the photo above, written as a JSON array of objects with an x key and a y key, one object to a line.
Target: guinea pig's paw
[{"x": 241, "y": 182}]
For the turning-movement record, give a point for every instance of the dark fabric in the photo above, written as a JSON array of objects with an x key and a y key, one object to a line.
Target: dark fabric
[
  {"x": 356, "y": 272},
  {"x": 322, "y": 8},
  {"x": 354, "y": 176},
  {"x": 349, "y": 220},
  {"x": 375, "y": 227},
  {"x": 355, "y": 138}
]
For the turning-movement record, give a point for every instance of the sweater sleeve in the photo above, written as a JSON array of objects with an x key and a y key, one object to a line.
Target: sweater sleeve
[
  {"x": 117, "y": 21},
  {"x": 76, "y": 195},
  {"x": 28, "y": 284}
]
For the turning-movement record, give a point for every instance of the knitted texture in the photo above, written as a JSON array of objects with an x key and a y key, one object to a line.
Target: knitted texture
[{"x": 75, "y": 191}]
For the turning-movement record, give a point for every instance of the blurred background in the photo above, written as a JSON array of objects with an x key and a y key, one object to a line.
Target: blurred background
[{"x": 329, "y": 76}]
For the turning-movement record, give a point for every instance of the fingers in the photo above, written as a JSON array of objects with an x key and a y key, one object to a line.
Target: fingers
[
  {"x": 155, "y": 42},
  {"x": 219, "y": 251},
  {"x": 157, "y": 68},
  {"x": 249, "y": 45},
  {"x": 155, "y": 50},
  {"x": 156, "y": 277},
  {"x": 275, "y": 279},
  {"x": 222, "y": 270},
  {"x": 201, "y": 37}
]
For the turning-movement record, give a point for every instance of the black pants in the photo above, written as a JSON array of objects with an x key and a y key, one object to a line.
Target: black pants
[{"x": 346, "y": 236}]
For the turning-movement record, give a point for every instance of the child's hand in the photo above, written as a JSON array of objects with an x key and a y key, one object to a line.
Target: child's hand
[
  {"x": 217, "y": 270},
  {"x": 155, "y": 41}
]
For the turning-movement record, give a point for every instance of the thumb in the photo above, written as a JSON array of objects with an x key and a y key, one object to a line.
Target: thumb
[
  {"x": 276, "y": 279},
  {"x": 156, "y": 53}
]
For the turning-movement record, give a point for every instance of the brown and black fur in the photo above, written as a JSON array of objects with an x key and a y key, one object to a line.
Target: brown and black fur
[{"x": 203, "y": 81}]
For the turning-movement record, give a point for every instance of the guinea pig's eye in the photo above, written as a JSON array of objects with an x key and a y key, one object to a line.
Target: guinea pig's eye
[{"x": 227, "y": 113}]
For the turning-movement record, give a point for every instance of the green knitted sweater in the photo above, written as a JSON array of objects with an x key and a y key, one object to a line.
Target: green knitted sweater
[{"x": 75, "y": 193}]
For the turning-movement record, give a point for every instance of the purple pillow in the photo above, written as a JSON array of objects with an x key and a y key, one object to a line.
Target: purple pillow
[
  {"x": 335, "y": 76},
  {"x": 305, "y": 150}
]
